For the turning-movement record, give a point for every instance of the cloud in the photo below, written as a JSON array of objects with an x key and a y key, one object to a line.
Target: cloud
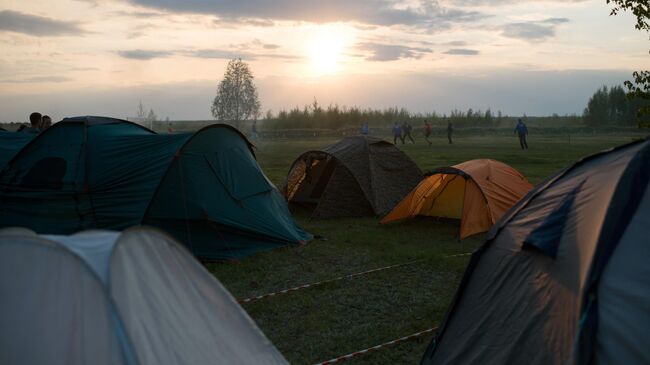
[
  {"x": 237, "y": 22},
  {"x": 38, "y": 79},
  {"x": 139, "y": 30},
  {"x": 217, "y": 53},
  {"x": 462, "y": 52},
  {"x": 239, "y": 51},
  {"x": 248, "y": 51},
  {"x": 507, "y": 2},
  {"x": 137, "y": 14},
  {"x": 255, "y": 44},
  {"x": 390, "y": 52},
  {"x": 374, "y": 12},
  {"x": 556, "y": 21},
  {"x": 456, "y": 43},
  {"x": 533, "y": 30},
  {"x": 13, "y": 21},
  {"x": 141, "y": 54},
  {"x": 229, "y": 55}
]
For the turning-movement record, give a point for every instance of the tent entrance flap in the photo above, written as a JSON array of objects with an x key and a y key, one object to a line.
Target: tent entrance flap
[
  {"x": 446, "y": 201},
  {"x": 311, "y": 186}
]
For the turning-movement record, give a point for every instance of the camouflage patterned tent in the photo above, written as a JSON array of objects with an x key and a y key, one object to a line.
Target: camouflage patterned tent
[{"x": 357, "y": 176}]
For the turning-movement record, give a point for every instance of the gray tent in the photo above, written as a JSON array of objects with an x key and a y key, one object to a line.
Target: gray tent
[
  {"x": 101, "y": 297},
  {"x": 357, "y": 176},
  {"x": 564, "y": 276}
]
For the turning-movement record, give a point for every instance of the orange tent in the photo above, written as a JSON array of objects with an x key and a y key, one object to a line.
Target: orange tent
[{"x": 477, "y": 192}]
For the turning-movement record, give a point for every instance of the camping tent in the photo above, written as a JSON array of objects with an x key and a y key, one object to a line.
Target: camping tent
[
  {"x": 477, "y": 192},
  {"x": 101, "y": 297},
  {"x": 206, "y": 189},
  {"x": 563, "y": 277},
  {"x": 11, "y": 143},
  {"x": 357, "y": 176}
]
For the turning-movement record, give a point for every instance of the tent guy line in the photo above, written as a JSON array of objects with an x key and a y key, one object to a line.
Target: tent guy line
[
  {"x": 305, "y": 286},
  {"x": 310, "y": 285},
  {"x": 374, "y": 348}
]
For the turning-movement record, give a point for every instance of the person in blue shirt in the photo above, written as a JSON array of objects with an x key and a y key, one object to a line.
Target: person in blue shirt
[
  {"x": 406, "y": 132},
  {"x": 522, "y": 131},
  {"x": 364, "y": 129},
  {"x": 397, "y": 133}
]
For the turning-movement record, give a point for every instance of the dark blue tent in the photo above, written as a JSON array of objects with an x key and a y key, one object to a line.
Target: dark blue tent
[{"x": 563, "y": 277}]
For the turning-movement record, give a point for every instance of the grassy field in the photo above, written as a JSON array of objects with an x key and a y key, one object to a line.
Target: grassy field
[{"x": 337, "y": 318}]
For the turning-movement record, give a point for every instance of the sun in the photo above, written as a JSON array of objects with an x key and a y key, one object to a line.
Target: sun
[{"x": 325, "y": 53}]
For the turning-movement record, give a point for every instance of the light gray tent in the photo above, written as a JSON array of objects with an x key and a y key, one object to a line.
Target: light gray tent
[
  {"x": 564, "y": 276},
  {"x": 101, "y": 297}
]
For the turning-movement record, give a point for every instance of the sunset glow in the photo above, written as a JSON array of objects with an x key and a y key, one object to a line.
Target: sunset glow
[
  {"x": 325, "y": 54},
  {"x": 105, "y": 54}
]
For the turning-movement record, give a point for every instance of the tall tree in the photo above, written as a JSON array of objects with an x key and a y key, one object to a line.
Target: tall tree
[
  {"x": 141, "y": 113},
  {"x": 640, "y": 87},
  {"x": 236, "y": 99},
  {"x": 151, "y": 117},
  {"x": 612, "y": 107},
  {"x": 597, "y": 110}
]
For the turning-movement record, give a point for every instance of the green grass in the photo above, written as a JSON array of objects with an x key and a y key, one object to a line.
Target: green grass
[{"x": 337, "y": 318}]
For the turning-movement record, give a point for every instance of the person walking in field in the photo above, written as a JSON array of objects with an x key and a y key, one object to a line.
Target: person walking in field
[
  {"x": 364, "y": 129},
  {"x": 427, "y": 132},
  {"x": 450, "y": 130},
  {"x": 522, "y": 131},
  {"x": 397, "y": 133},
  {"x": 406, "y": 132}
]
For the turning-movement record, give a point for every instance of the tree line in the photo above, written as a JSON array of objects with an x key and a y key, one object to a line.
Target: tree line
[
  {"x": 614, "y": 107},
  {"x": 237, "y": 101},
  {"x": 334, "y": 116}
]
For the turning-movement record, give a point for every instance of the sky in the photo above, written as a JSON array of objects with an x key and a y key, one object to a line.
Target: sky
[{"x": 102, "y": 57}]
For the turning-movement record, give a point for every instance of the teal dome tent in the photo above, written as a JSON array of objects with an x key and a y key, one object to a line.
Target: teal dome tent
[
  {"x": 11, "y": 143},
  {"x": 205, "y": 188}
]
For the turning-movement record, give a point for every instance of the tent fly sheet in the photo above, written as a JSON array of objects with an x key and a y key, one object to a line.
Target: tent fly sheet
[
  {"x": 476, "y": 192},
  {"x": 205, "y": 188},
  {"x": 101, "y": 297}
]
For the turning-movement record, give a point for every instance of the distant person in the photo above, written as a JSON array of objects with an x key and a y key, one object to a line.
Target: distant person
[
  {"x": 522, "y": 131},
  {"x": 364, "y": 129},
  {"x": 406, "y": 132},
  {"x": 21, "y": 127},
  {"x": 397, "y": 133},
  {"x": 450, "y": 131},
  {"x": 427, "y": 132},
  {"x": 46, "y": 122},
  {"x": 35, "y": 119},
  {"x": 254, "y": 134}
]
